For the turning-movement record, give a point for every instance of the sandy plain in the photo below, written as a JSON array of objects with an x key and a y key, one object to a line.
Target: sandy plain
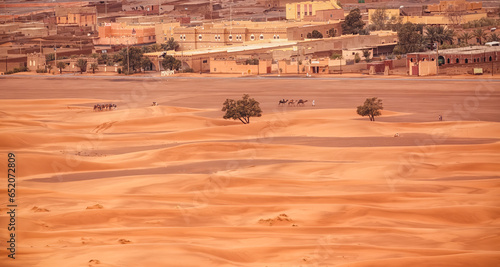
[{"x": 176, "y": 185}]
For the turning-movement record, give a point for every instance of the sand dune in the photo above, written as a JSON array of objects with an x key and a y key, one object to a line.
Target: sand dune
[{"x": 176, "y": 185}]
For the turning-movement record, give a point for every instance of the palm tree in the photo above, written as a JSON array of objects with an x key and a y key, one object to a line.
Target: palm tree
[
  {"x": 432, "y": 33},
  {"x": 493, "y": 38},
  {"x": 156, "y": 47},
  {"x": 480, "y": 35},
  {"x": 448, "y": 35},
  {"x": 82, "y": 64},
  {"x": 94, "y": 67},
  {"x": 171, "y": 44},
  {"x": 61, "y": 65},
  {"x": 439, "y": 34},
  {"x": 465, "y": 37}
]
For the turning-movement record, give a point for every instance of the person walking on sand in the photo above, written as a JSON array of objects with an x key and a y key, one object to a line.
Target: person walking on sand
[
  {"x": 313, "y": 104},
  {"x": 440, "y": 117}
]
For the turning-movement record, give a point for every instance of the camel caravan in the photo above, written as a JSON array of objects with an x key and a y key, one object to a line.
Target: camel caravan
[
  {"x": 293, "y": 103},
  {"x": 103, "y": 107}
]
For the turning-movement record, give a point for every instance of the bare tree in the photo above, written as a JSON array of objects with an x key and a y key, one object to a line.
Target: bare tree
[{"x": 454, "y": 15}]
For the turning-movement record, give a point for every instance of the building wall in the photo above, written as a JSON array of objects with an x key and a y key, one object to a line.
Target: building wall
[
  {"x": 326, "y": 15},
  {"x": 36, "y": 61},
  {"x": 78, "y": 19},
  {"x": 456, "y": 5},
  {"x": 441, "y": 19},
  {"x": 451, "y": 59},
  {"x": 390, "y": 13},
  {"x": 297, "y": 11},
  {"x": 165, "y": 31},
  {"x": 210, "y": 37},
  {"x": 300, "y": 33},
  {"x": 117, "y": 34},
  {"x": 9, "y": 63},
  {"x": 231, "y": 66}
]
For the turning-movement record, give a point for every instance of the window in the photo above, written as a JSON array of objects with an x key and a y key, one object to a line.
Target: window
[
  {"x": 491, "y": 58},
  {"x": 274, "y": 37},
  {"x": 466, "y": 60},
  {"x": 448, "y": 61},
  {"x": 252, "y": 37},
  {"x": 205, "y": 61},
  {"x": 261, "y": 37},
  {"x": 432, "y": 59},
  {"x": 411, "y": 59},
  {"x": 200, "y": 37},
  {"x": 230, "y": 37},
  {"x": 457, "y": 60},
  {"x": 277, "y": 36}
]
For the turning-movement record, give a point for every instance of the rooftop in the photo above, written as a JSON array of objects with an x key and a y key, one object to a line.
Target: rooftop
[
  {"x": 463, "y": 50},
  {"x": 228, "y": 49}
]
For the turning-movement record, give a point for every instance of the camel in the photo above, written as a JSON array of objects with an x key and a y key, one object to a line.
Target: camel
[
  {"x": 291, "y": 103},
  {"x": 301, "y": 102},
  {"x": 99, "y": 107},
  {"x": 282, "y": 102}
]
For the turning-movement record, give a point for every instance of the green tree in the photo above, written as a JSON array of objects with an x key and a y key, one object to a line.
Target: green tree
[
  {"x": 133, "y": 58},
  {"x": 171, "y": 44},
  {"x": 105, "y": 59},
  {"x": 366, "y": 55},
  {"x": 50, "y": 57},
  {"x": 410, "y": 39},
  {"x": 371, "y": 108},
  {"x": 357, "y": 58},
  {"x": 94, "y": 55},
  {"x": 169, "y": 62},
  {"x": 493, "y": 38},
  {"x": 61, "y": 65},
  {"x": 242, "y": 109},
  {"x": 94, "y": 67},
  {"x": 353, "y": 22},
  {"x": 465, "y": 37},
  {"x": 336, "y": 56},
  {"x": 82, "y": 64},
  {"x": 331, "y": 32},
  {"x": 439, "y": 34},
  {"x": 145, "y": 63},
  {"x": 252, "y": 61},
  {"x": 480, "y": 35},
  {"x": 379, "y": 19},
  {"x": 146, "y": 49},
  {"x": 156, "y": 47},
  {"x": 315, "y": 35}
]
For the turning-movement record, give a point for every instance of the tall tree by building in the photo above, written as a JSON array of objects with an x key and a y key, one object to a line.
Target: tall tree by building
[
  {"x": 353, "y": 22},
  {"x": 410, "y": 39}
]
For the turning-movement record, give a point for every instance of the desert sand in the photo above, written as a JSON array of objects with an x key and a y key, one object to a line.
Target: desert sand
[{"x": 177, "y": 185}]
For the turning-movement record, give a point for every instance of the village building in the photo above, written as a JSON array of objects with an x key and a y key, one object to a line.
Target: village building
[
  {"x": 212, "y": 35},
  {"x": 314, "y": 10},
  {"x": 444, "y": 13},
  {"x": 76, "y": 16},
  {"x": 112, "y": 34},
  {"x": 313, "y": 53},
  {"x": 456, "y": 60}
]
